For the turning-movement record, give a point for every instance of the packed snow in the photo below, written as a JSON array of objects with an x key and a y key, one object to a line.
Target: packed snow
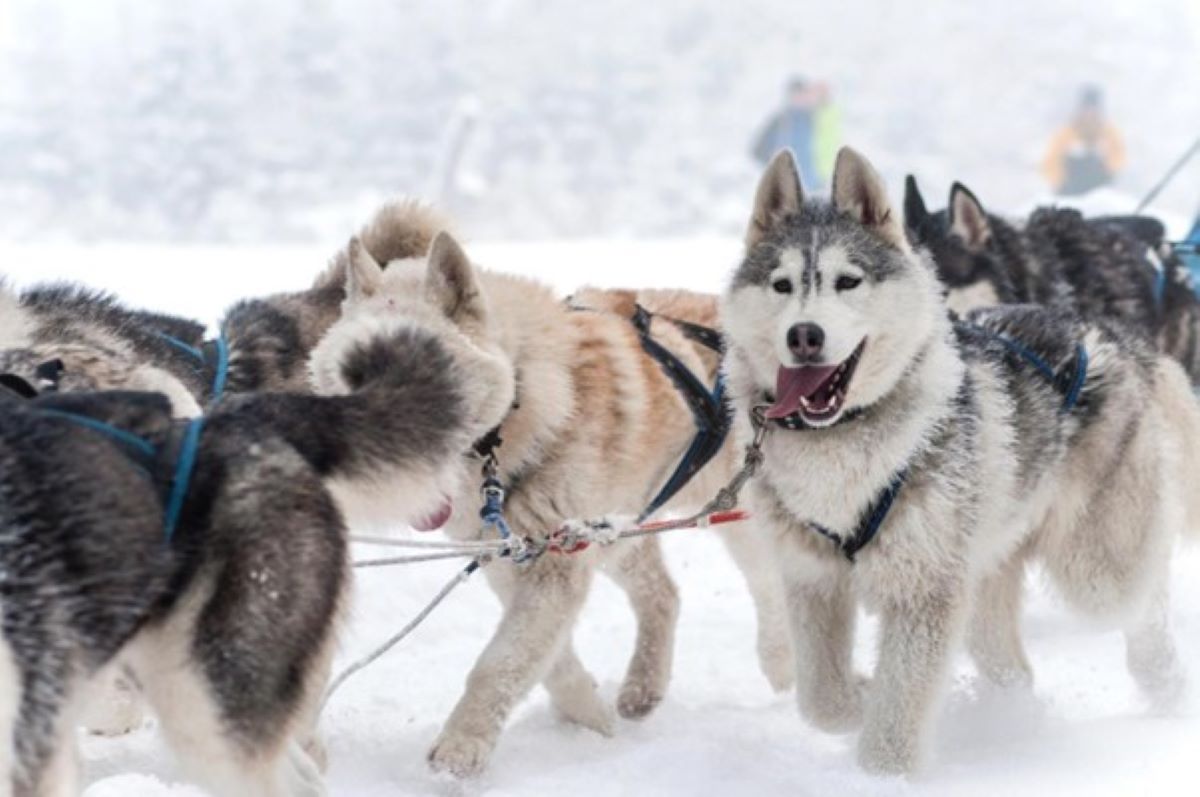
[{"x": 721, "y": 730}]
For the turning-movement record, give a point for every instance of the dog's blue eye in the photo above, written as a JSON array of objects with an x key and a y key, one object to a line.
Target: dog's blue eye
[
  {"x": 847, "y": 283},
  {"x": 782, "y": 286}
]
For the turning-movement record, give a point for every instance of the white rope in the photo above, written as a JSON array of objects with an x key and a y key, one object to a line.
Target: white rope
[
  {"x": 410, "y": 560},
  {"x": 479, "y": 546},
  {"x": 396, "y": 639}
]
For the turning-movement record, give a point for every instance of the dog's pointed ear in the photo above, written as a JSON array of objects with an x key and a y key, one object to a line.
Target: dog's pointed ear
[
  {"x": 858, "y": 190},
  {"x": 915, "y": 211},
  {"x": 364, "y": 275},
  {"x": 451, "y": 282},
  {"x": 779, "y": 195},
  {"x": 968, "y": 220}
]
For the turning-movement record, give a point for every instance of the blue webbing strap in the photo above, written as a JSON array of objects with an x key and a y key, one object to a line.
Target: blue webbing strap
[
  {"x": 121, "y": 436},
  {"x": 1073, "y": 391},
  {"x": 872, "y": 520},
  {"x": 220, "y": 367},
  {"x": 184, "y": 466}
]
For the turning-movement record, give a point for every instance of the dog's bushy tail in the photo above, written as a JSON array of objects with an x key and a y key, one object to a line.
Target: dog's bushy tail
[{"x": 1181, "y": 407}]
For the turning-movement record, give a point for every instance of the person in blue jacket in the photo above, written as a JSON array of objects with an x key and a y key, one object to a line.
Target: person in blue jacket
[{"x": 793, "y": 127}]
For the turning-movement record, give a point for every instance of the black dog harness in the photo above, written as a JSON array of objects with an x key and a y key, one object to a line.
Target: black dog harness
[
  {"x": 709, "y": 409},
  {"x": 1069, "y": 382}
]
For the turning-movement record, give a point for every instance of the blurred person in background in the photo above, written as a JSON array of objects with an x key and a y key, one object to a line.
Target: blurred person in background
[
  {"x": 1088, "y": 152},
  {"x": 827, "y": 131},
  {"x": 794, "y": 127}
]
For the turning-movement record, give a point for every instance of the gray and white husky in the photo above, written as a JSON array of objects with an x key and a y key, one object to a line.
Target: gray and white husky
[
  {"x": 224, "y": 606},
  {"x": 914, "y": 465}
]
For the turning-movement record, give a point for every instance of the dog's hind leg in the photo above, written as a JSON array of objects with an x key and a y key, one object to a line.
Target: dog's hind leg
[
  {"x": 544, "y": 604},
  {"x": 59, "y": 775},
  {"x": 994, "y": 639},
  {"x": 212, "y": 753},
  {"x": 1151, "y": 656},
  {"x": 573, "y": 691},
  {"x": 10, "y": 707},
  {"x": 751, "y": 552},
  {"x": 642, "y": 573},
  {"x": 823, "y": 612}
]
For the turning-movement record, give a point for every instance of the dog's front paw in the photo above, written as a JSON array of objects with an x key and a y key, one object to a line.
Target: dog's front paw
[
  {"x": 837, "y": 709},
  {"x": 882, "y": 751},
  {"x": 637, "y": 700},
  {"x": 460, "y": 755}
]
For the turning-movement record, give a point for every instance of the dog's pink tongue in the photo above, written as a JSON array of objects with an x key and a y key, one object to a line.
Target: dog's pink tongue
[
  {"x": 437, "y": 519},
  {"x": 793, "y": 384}
]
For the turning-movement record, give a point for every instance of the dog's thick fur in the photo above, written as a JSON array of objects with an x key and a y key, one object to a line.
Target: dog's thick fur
[
  {"x": 998, "y": 473},
  {"x": 1113, "y": 269},
  {"x": 597, "y": 429},
  {"x": 270, "y": 339},
  {"x": 102, "y": 344},
  {"x": 229, "y": 626}
]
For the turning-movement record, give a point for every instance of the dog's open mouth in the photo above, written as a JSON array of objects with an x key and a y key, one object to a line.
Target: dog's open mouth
[
  {"x": 436, "y": 519},
  {"x": 816, "y": 392}
]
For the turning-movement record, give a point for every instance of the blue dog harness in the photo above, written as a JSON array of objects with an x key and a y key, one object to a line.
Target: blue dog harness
[
  {"x": 139, "y": 450},
  {"x": 1070, "y": 383}
]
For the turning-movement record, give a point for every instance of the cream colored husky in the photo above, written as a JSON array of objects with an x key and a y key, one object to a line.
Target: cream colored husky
[{"x": 596, "y": 429}]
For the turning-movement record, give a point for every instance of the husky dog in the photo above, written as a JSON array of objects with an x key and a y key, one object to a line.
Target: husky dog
[
  {"x": 595, "y": 430},
  {"x": 913, "y": 466},
  {"x": 270, "y": 339},
  {"x": 1111, "y": 268},
  {"x": 101, "y": 344},
  {"x": 225, "y": 610}
]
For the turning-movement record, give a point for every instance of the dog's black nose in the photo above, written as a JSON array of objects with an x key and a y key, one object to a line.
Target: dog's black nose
[{"x": 805, "y": 341}]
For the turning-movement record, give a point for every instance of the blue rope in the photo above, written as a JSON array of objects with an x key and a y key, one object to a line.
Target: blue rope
[
  {"x": 120, "y": 435},
  {"x": 184, "y": 466}
]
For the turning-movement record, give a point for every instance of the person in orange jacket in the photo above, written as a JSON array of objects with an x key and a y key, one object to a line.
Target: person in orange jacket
[{"x": 1088, "y": 152}]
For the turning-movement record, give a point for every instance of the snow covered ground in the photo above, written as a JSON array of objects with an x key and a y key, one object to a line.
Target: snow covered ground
[{"x": 721, "y": 730}]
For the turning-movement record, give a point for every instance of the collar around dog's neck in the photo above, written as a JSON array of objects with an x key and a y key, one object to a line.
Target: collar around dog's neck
[
  {"x": 796, "y": 423},
  {"x": 486, "y": 446}
]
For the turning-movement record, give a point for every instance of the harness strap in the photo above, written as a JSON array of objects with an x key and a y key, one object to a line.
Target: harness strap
[
  {"x": 185, "y": 464},
  {"x": 214, "y": 354},
  {"x": 709, "y": 410},
  {"x": 145, "y": 455},
  {"x": 1071, "y": 387},
  {"x": 872, "y": 520}
]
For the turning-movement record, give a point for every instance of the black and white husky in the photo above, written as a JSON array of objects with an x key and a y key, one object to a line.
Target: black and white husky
[
  {"x": 914, "y": 465},
  {"x": 1114, "y": 269},
  {"x": 217, "y": 581}
]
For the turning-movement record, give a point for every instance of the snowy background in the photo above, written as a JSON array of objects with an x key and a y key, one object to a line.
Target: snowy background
[
  {"x": 288, "y": 120},
  {"x": 187, "y": 154}
]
